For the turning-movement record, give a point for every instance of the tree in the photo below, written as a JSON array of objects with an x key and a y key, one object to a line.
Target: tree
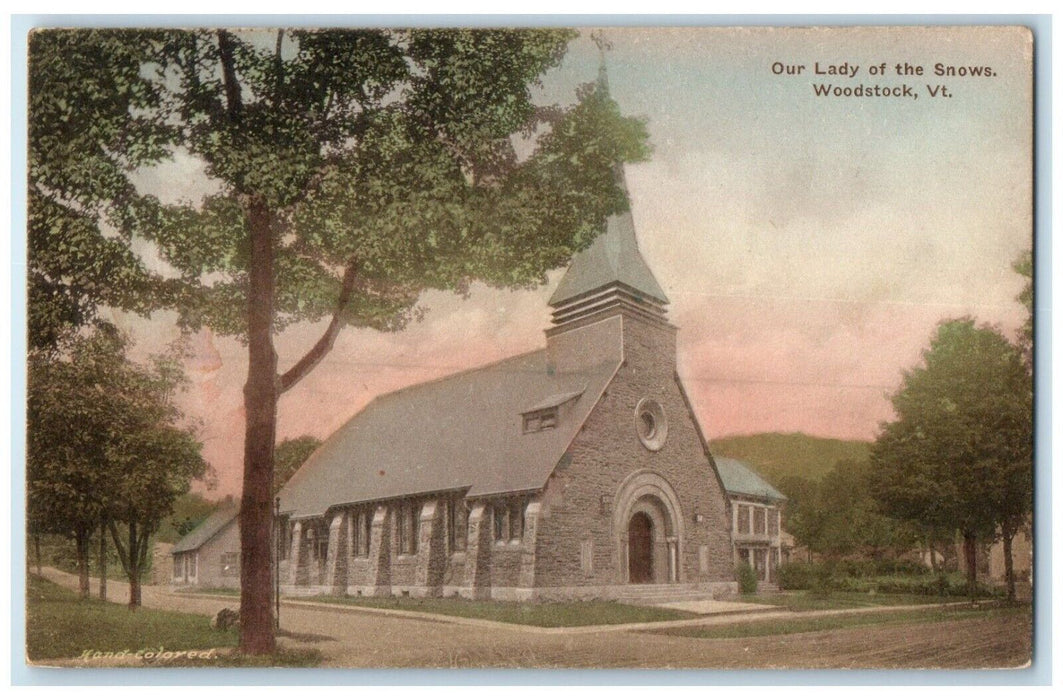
[
  {"x": 290, "y": 455},
  {"x": 853, "y": 523},
  {"x": 352, "y": 170},
  {"x": 151, "y": 459},
  {"x": 959, "y": 454},
  {"x": 837, "y": 515},
  {"x": 105, "y": 447},
  {"x": 803, "y": 517}
]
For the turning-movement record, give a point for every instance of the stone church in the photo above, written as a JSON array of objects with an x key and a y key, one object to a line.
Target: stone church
[{"x": 575, "y": 471}]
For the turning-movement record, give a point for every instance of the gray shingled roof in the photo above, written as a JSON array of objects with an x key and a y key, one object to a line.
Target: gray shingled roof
[
  {"x": 460, "y": 432},
  {"x": 739, "y": 479},
  {"x": 613, "y": 257},
  {"x": 206, "y": 529}
]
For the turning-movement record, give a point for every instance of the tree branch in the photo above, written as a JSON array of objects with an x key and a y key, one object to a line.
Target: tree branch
[
  {"x": 118, "y": 546},
  {"x": 228, "y": 67},
  {"x": 278, "y": 65},
  {"x": 324, "y": 344}
]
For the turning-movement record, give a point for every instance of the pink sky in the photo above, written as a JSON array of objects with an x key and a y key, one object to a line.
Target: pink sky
[{"x": 809, "y": 246}]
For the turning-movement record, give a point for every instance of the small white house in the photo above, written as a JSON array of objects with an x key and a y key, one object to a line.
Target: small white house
[
  {"x": 209, "y": 556},
  {"x": 756, "y": 518}
]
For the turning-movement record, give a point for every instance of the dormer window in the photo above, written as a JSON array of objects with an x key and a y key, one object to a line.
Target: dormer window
[
  {"x": 545, "y": 414},
  {"x": 544, "y": 419}
]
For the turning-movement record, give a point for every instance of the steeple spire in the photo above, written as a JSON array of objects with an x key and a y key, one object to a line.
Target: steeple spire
[
  {"x": 598, "y": 37},
  {"x": 610, "y": 271},
  {"x": 611, "y": 274}
]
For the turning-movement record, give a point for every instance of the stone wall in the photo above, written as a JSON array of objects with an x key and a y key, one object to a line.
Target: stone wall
[{"x": 578, "y": 543}]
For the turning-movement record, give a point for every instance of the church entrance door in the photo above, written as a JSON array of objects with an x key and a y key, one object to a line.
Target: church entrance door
[{"x": 640, "y": 549}]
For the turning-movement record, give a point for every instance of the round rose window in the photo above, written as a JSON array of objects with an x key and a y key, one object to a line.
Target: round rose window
[{"x": 651, "y": 424}]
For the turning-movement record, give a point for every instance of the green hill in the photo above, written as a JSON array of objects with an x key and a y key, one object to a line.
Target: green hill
[{"x": 775, "y": 455}]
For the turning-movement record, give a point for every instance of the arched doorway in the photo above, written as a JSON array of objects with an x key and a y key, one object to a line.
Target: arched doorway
[
  {"x": 640, "y": 549},
  {"x": 648, "y": 530}
]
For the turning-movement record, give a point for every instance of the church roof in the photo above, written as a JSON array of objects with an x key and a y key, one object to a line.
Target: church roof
[
  {"x": 740, "y": 479},
  {"x": 202, "y": 534},
  {"x": 464, "y": 431},
  {"x": 612, "y": 258}
]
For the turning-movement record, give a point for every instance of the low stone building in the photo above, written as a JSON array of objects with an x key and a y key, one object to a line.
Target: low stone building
[
  {"x": 756, "y": 512},
  {"x": 209, "y": 556},
  {"x": 575, "y": 471},
  {"x": 161, "y": 556}
]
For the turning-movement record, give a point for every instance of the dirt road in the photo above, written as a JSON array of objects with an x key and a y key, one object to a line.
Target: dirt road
[{"x": 354, "y": 638}]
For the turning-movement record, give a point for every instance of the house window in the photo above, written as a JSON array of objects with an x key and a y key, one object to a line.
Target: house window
[
  {"x": 501, "y": 514},
  {"x": 361, "y": 532},
  {"x": 759, "y": 521},
  {"x": 367, "y": 532},
  {"x": 177, "y": 562},
  {"x": 321, "y": 547},
  {"x": 516, "y": 519},
  {"x": 773, "y": 522},
  {"x": 193, "y": 561},
  {"x": 540, "y": 420},
  {"x": 509, "y": 520},
  {"x": 457, "y": 524},
  {"x": 651, "y": 424},
  {"x": 743, "y": 520},
  {"x": 230, "y": 564},
  {"x": 408, "y": 527}
]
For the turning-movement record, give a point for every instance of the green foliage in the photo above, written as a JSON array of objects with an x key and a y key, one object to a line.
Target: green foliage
[
  {"x": 746, "y": 577},
  {"x": 1024, "y": 266},
  {"x": 289, "y": 456},
  {"x": 838, "y": 516},
  {"x": 888, "y": 577},
  {"x": 959, "y": 454},
  {"x": 392, "y": 153},
  {"x": 781, "y": 456},
  {"x": 92, "y": 119},
  {"x": 189, "y": 510}
]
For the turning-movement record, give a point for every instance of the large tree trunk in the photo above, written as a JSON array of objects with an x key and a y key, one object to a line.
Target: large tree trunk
[
  {"x": 260, "y": 407},
  {"x": 1009, "y": 566},
  {"x": 134, "y": 589},
  {"x": 970, "y": 554},
  {"x": 37, "y": 550},
  {"x": 81, "y": 545},
  {"x": 103, "y": 560}
]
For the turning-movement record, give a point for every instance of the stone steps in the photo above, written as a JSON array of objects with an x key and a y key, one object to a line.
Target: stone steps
[{"x": 649, "y": 594}]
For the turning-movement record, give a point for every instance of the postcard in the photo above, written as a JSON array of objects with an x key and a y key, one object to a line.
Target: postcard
[{"x": 647, "y": 347}]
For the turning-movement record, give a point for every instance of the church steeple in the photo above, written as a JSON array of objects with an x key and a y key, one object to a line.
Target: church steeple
[{"x": 610, "y": 273}]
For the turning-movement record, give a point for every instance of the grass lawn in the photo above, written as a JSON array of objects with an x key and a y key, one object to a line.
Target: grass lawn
[
  {"x": 765, "y": 628},
  {"x": 800, "y": 601},
  {"x": 60, "y": 626},
  {"x": 573, "y": 614},
  {"x": 232, "y": 592}
]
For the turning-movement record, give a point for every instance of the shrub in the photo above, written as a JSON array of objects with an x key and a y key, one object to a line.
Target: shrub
[
  {"x": 747, "y": 578},
  {"x": 796, "y": 576},
  {"x": 880, "y": 577}
]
